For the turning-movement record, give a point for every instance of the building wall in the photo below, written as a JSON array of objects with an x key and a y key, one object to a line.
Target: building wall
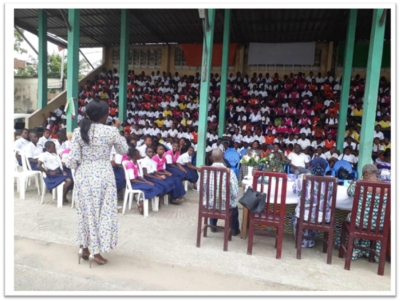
[
  {"x": 327, "y": 57},
  {"x": 26, "y": 93}
]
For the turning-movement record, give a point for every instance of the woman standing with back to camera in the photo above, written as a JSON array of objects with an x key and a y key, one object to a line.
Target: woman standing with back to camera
[{"x": 95, "y": 192}]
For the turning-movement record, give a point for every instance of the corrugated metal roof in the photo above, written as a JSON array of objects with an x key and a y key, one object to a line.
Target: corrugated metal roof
[{"x": 101, "y": 27}]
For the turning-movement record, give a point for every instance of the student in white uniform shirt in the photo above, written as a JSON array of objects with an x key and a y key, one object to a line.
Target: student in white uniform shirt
[
  {"x": 219, "y": 145},
  {"x": 61, "y": 142},
  {"x": 348, "y": 156},
  {"x": 258, "y": 137},
  {"x": 46, "y": 137},
  {"x": 146, "y": 130},
  {"x": 136, "y": 130},
  {"x": 21, "y": 142},
  {"x": 173, "y": 132},
  {"x": 331, "y": 156},
  {"x": 248, "y": 138},
  {"x": 185, "y": 160},
  {"x": 154, "y": 131},
  {"x": 33, "y": 151},
  {"x": 318, "y": 153},
  {"x": 377, "y": 132},
  {"x": 303, "y": 142},
  {"x": 237, "y": 137},
  {"x": 349, "y": 143},
  {"x": 147, "y": 141},
  {"x": 168, "y": 122},
  {"x": 298, "y": 161}
]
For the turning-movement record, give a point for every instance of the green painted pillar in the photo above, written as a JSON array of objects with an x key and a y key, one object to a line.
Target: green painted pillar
[
  {"x": 371, "y": 88},
  {"x": 346, "y": 78},
  {"x": 123, "y": 63},
  {"x": 224, "y": 73},
  {"x": 42, "y": 66},
  {"x": 205, "y": 87},
  {"x": 73, "y": 68}
]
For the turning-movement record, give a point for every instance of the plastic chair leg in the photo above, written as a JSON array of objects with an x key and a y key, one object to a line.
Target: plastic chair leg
[
  {"x": 146, "y": 208},
  {"x": 125, "y": 201},
  {"x": 166, "y": 196},
  {"x": 22, "y": 182},
  {"x": 186, "y": 186},
  {"x": 60, "y": 195},
  {"x": 43, "y": 192},
  {"x": 155, "y": 203},
  {"x": 131, "y": 195}
]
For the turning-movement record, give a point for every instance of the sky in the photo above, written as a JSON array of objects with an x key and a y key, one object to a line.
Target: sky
[{"x": 92, "y": 54}]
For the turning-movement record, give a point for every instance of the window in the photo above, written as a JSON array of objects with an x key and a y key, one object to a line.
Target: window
[
  {"x": 146, "y": 58},
  {"x": 180, "y": 62}
]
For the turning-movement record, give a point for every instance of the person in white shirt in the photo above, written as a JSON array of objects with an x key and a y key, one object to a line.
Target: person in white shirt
[
  {"x": 185, "y": 160},
  {"x": 164, "y": 132},
  {"x": 258, "y": 137},
  {"x": 168, "y": 122},
  {"x": 136, "y": 131},
  {"x": 146, "y": 130},
  {"x": 349, "y": 143},
  {"x": 237, "y": 137},
  {"x": 306, "y": 130},
  {"x": 173, "y": 103},
  {"x": 21, "y": 143},
  {"x": 61, "y": 142},
  {"x": 173, "y": 132},
  {"x": 306, "y": 92},
  {"x": 378, "y": 133},
  {"x": 331, "y": 156},
  {"x": 147, "y": 141},
  {"x": 248, "y": 138},
  {"x": 46, "y": 137},
  {"x": 33, "y": 151},
  {"x": 255, "y": 117},
  {"x": 348, "y": 156},
  {"x": 298, "y": 161},
  {"x": 303, "y": 142},
  {"x": 59, "y": 111},
  {"x": 317, "y": 143},
  {"x": 290, "y": 140},
  {"x": 318, "y": 153},
  {"x": 219, "y": 145},
  {"x": 154, "y": 131}
]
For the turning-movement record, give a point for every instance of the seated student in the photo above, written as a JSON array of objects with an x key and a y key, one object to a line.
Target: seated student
[
  {"x": 33, "y": 151},
  {"x": 173, "y": 167},
  {"x": 61, "y": 141},
  {"x": 331, "y": 121},
  {"x": 46, "y": 137},
  {"x": 298, "y": 161},
  {"x": 185, "y": 160},
  {"x": 49, "y": 163},
  {"x": 348, "y": 156},
  {"x": 179, "y": 191},
  {"x": 331, "y": 156},
  {"x": 377, "y": 149},
  {"x": 306, "y": 130},
  {"x": 138, "y": 182},
  {"x": 318, "y": 153},
  {"x": 349, "y": 143},
  {"x": 116, "y": 162},
  {"x": 21, "y": 143},
  {"x": 329, "y": 142},
  {"x": 318, "y": 132},
  {"x": 303, "y": 142}
]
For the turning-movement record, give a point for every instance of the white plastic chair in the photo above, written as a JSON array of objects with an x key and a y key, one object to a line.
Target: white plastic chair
[
  {"x": 25, "y": 175},
  {"x": 57, "y": 192},
  {"x": 186, "y": 185}
]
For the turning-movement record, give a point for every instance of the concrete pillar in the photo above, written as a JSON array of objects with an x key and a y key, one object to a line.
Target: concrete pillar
[
  {"x": 73, "y": 68},
  {"x": 123, "y": 64},
  {"x": 371, "y": 88},
  {"x": 347, "y": 67},
  {"x": 42, "y": 66},
  {"x": 224, "y": 73},
  {"x": 330, "y": 56},
  {"x": 205, "y": 87}
]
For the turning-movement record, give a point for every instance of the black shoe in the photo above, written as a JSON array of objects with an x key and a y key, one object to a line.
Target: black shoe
[
  {"x": 236, "y": 232},
  {"x": 213, "y": 230}
]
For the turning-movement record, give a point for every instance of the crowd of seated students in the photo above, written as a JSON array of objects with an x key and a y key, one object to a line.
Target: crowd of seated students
[{"x": 297, "y": 113}]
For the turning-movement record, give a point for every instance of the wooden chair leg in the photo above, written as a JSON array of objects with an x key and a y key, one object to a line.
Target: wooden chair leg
[
  {"x": 198, "y": 231},
  {"x": 330, "y": 246},
  {"x": 230, "y": 227},
  {"x": 299, "y": 237},
  {"x": 279, "y": 243},
  {"x": 372, "y": 253},
  {"x": 226, "y": 236},
  {"x": 205, "y": 227},
  {"x": 349, "y": 252},
  {"x": 250, "y": 237},
  {"x": 382, "y": 257}
]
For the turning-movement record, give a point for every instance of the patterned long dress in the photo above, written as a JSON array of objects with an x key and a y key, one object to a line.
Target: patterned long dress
[
  {"x": 95, "y": 190},
  {"x": 357, "y": 253}
]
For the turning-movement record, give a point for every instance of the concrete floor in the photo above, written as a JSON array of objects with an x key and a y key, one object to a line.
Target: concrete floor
[{"x": 159, "y": 254}]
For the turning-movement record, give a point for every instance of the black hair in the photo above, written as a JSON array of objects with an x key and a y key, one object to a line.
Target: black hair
[
  {"x": 95, "y": 110},
  {"x": 132, "y": 151},
  {"x": 48, "y": 144},
  {"x": 386, "y": 153},
  {"x": 25, "y": 129},
  {"x": 46, "y": 130}
]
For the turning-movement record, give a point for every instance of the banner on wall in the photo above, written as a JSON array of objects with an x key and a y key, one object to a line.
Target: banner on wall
[
  {"x": 281, "y": 53},
  {"x": 193, "y": 54}
]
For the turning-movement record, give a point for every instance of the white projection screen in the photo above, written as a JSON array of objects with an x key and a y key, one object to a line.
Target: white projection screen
[{"x": 281, "y": 53}]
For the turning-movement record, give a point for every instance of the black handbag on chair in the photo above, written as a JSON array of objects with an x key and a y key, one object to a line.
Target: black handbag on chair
[{"x": 253, "y": 200}]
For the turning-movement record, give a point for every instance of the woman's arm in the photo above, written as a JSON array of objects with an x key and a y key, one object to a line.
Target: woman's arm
[{"x": 74, "y": 158}]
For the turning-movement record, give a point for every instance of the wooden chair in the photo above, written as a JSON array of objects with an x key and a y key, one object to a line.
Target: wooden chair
[
  {"x": 365, "y": 229},
  {"x": 272, "y": 217},
  {"x": 212, "y": 209},
  {"x": 318, "y": 224}
]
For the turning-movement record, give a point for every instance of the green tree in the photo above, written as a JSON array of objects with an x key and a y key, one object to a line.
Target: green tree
[{"x": 18, "y": 39}]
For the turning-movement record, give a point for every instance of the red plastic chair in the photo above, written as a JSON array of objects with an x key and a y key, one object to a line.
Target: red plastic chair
[
  {"x": 271, "y": 217},
  {"x": 212, "y": 210},
  {"x": 364, "y": 230},
  {"x": 319, "y": 225}
]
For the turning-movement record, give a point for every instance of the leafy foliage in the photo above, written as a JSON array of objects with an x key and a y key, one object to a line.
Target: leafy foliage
[{"x": 18, "y": 39}]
